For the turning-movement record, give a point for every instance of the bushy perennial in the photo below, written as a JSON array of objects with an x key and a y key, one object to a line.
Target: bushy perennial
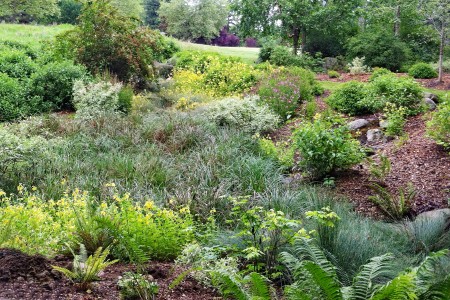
[{"x": 95, "y": 99}]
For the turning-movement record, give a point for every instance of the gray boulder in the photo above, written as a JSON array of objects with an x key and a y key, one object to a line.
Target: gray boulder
[
  {"x": 374, "y": 135},
  {"x": 330, "y": 63},
  {"x": 431, "y": 96},
  {"x": 163, "y": 70},
  {"x": 430, "y": 103},
  {"x": 384, "y": 123},
  {"x": 440, "y": 216},
  {"x": 358, "y": 124}
]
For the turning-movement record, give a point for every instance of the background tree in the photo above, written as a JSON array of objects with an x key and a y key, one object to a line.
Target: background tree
[
  {"x": 27, "y": 10},
  {"x": 437, "y": 14},
  {"x": 70, "y": 11},
  {"x": 131, "y": 8},
  {"x": 194, "y": 19},
  {"x": 151, "y": 13},
  {"x": 294, "y": 19}
]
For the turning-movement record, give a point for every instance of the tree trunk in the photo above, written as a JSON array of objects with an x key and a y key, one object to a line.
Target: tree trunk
[
  {"x": 303, "y": 39},
  {"x": 441, "y": 53},
  {"x": 295, "y": 40},
  {"x": 397, "y": 21}
]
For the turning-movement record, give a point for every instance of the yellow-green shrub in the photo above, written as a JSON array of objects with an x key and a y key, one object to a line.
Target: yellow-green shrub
[{"x": 33, "y": 225}]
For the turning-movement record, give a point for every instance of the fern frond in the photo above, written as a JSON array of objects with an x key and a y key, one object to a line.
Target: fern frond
[
  {"x": 400, "y": 288},
  {"x": 259, "y": 286},
  {"x": 326, "y": 281},
  {"x": 229, "y": 286},
  {"x": 295, "y": 292},
  {"x": 305, "y": 249},
  {"x": 363, "y": 287},
  {"x": 66, "y": 272}
]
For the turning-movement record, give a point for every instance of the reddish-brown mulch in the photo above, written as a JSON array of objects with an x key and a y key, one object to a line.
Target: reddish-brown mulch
[
  {"x": 32, "y": 277},
  {"x": 418, "y": 161},
  {"x": 428, "y": 83}
]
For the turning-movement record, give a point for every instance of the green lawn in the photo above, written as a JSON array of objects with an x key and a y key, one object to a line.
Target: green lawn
[
  {"x": 248, "y": 55},
  {"x": 30, "y": 34}
]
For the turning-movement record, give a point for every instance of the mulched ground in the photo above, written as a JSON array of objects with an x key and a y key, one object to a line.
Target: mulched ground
[
  {"x": 32, "y": 277},
  {"x": 428, "y": 83},
  {"x": 418, "y": 161}
]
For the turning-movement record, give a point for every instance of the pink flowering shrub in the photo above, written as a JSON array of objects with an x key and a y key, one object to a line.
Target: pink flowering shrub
[{"x": 283, "y": 92}]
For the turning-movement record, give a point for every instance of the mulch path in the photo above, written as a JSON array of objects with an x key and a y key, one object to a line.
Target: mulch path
[
  {"x": 32, "y": 277},
  {"x": 428, "y": 83},
  {"x": 419, "y": 160}
]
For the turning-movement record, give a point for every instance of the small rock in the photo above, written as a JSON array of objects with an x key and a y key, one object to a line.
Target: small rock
[
  {"x": 439, "y": 215},
  {"x": 358, "y": 124},
  {"x": 431, "y": 96},
  {"x": 430, "y": 103},
  {"x": 374, "y": 135}
]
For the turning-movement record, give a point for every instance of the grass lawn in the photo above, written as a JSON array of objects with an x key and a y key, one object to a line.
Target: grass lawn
[
  {"x": 30, "y": 34},
  {"x": 248, "y": 55}
]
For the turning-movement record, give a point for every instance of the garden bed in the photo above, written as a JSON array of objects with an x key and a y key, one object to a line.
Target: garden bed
[{"x": 25, "y": 276}]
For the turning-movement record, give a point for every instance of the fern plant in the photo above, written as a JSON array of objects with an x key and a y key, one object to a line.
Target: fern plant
[
  {"x": 254, "y": 286},
  {"x": 316, "y": 278},
  {"x": 396, "y": 207},
  {"x": 86, "y": 269},
  {"x": 379, "y": 171}
]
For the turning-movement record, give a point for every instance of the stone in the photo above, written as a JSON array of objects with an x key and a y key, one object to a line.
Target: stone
[
  {"x": 358, "y": 124},
  {"x": 431, "y": 96},
  {"x": 330, "y": 63},
  {"x": 374, "y": 135},
  {"x": 164, "y": 70},
  {"x": 430, "y": 103}
]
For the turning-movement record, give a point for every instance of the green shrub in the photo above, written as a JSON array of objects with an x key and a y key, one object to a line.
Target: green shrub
[
  {"x": 282, "y": 56},
  {"x": 349, "y": 99},
  {"x": 125, "y": 100},
  {"x": 53, "y": 84},
  {"x": 16, "y": 64},
  {"x": 324, "y": 148},
  {"x": 245, "y": 114},
  {"x": 438, "y": 127},
  {"x": 285, "y": 89},
  {"x": 70, "y": 11},
  {"x": 105, "y": 40},
  {"x": 377, "y": 72},
  {"x": 422, "y": 70},
  {"x": 12, "y": 94},
  {"x": 380, "y": 49},
  {"x": 137, "y": 286},
  {"x": 395, "y": 118},
  {"x": 333, "y": 74},
  {"x": 96, "y": 99},
  {"x": 401, "y": 91},
  {"x": 357, "y": 66}
]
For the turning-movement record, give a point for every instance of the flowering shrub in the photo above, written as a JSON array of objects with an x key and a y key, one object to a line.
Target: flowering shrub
[
  {"x": 284, "y": 90},
  {"x": 32, "y": 224},
  {"x": 357, "y": 66},
  {"x": 251, "y": 43},
  {"x": 95, "y": 99}
]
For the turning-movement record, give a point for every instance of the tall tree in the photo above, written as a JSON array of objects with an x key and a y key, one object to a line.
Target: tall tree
[
  {"x": 151, "y": 13},
  {"x": 17, "y": 10},
  {"x": 437, "y": 14},
  {"x": 295, "y": 19},
  {"x": 130, "y": 8},
  {"x": 194, "y": 19}
]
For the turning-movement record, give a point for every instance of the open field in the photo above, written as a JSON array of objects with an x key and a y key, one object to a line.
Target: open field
[{"x": 30, "y": 34}]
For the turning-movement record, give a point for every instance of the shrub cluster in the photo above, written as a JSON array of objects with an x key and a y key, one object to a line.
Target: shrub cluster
[
  {"x": 31, "y": 84},
  {"x": 356, "y": 98},
  {"x": 423, "y": 71},
  {"x": 283, "y": 56},
  {"x": 226, "y": 39},
  {"x": 212, "y": 74}
]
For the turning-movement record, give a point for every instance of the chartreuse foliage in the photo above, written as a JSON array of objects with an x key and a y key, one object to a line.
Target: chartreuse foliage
[{"x": 27, "y": 219}]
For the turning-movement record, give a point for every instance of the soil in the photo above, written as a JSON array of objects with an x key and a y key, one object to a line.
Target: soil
[
  {"x": 25, "y": 277},
  {"x": 428, "y": 83}
]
